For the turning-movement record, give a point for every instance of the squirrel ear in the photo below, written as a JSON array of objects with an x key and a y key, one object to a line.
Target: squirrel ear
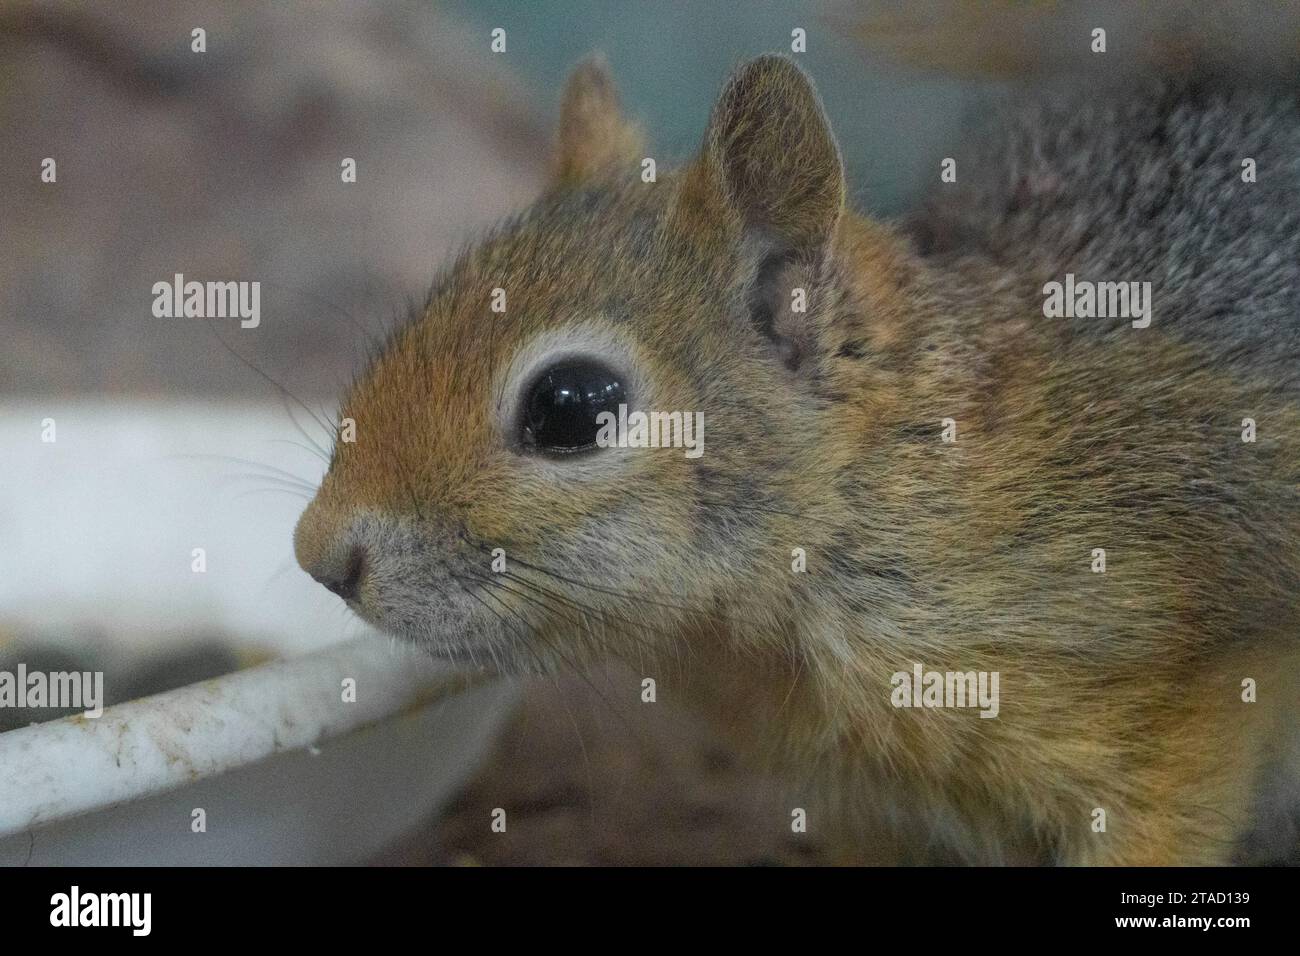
[
  {"x": 770, "y": 154},
  {"x": 593, "y": 132}
]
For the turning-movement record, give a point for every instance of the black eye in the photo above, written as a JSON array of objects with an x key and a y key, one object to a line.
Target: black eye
[{"x": 561, "y": 407}]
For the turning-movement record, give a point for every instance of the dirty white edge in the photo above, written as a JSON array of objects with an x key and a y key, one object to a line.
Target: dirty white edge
[{"x": 65, "y": 767}]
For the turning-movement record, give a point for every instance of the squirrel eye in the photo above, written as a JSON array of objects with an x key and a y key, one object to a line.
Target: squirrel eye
[{"x": 562, "y": 404}]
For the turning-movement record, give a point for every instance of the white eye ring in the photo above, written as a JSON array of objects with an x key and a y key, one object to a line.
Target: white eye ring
[{"x": 586, "y": 343}]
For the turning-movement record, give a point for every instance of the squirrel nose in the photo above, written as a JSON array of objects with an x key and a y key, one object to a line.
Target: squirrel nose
[{"x": 344, "y": 580}]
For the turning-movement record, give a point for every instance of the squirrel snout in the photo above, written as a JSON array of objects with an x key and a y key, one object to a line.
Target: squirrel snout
[
  {"x": 342, "y": 578},
  {"x": 326, "y": 554}
]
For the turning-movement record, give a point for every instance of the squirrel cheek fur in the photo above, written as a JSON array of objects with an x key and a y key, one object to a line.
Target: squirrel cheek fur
[{"x": 1120, "y": 691}]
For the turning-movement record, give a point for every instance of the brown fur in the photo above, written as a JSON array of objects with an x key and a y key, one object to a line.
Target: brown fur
[{"x": 1120, "y": 691}]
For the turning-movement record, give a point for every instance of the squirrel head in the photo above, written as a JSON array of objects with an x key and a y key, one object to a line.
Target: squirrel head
[{"x": 476, "y": 513}]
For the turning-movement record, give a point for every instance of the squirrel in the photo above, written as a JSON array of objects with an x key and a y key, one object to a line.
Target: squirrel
[{"x": 1075, "y": 505}]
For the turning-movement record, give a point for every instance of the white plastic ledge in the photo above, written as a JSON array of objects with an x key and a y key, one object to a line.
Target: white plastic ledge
[{"x": 66, "y": 767}]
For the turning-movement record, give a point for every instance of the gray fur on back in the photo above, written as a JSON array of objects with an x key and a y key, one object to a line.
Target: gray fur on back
[{"x": 1146, "y": 184}]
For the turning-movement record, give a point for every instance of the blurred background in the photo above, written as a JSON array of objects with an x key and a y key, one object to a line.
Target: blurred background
[{"x": 225, "y": 165}]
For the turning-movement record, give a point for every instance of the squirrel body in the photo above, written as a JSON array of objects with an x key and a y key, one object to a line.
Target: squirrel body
[{"x": 946, "y": 458}]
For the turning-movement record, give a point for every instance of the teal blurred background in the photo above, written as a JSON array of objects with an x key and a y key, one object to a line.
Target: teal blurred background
[{"x": 671, "y": 59}]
